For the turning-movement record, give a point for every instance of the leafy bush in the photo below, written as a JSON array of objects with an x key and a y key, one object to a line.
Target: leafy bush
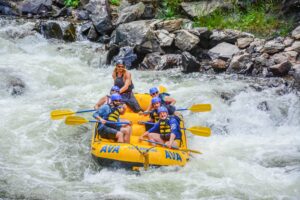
[
  {"x": 170, "y": 9},
  {"x": 260, "y": 18},
  {"x": 115, "y": 2},
  {"x": 72, "y": 3}
]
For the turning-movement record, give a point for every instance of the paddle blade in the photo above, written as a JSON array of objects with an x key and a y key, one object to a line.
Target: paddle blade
[
  {"x": 190, "y": 150},
  {"x": 200, "y": 108},
  {"x": 162, "y": 89},
  {"x": 75, "y": 120},
  {"x": 200, "y": 130},
  {"x": 60, "y": 114}
]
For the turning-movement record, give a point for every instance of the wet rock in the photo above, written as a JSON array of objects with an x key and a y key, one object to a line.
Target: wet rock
[
  {"x": 100, "y": 15},
  {"x": 169, "y": 25},
  {"x": 189, "y": 63},
  {"x": 92, "y": 34},
  {"x": 81, "y": 15},
  {"x": 296, "y": 75},
  {"x": 84, "y": 28},
  {"x": 219, "y": 65},
  {"x": 127, "y": 55},
  {"x": 296, "y": 33},
  {"x": 244, "y": 42},
  {"x": 241, "y": 64},
  {"x": 161, "y": 62},
  {"x": 11, "y": 83},
  {"x": 202, "y": 8},
  {"x": 224, "y": 51},
  {"x": 273, "y": 46},
  {"x": 36, "y": 7},
  {"x": 131, "y": 13},
  {"x": 69, "y": 32},
  {"x": 281, "y": 69},
  {"x": 263, "y": 106},
  {"x": 164, "y": 37},
  {"x": 185, "y": 41},
  {"x": 51, "y": 30},
  {"x": 112, "y": 51}
]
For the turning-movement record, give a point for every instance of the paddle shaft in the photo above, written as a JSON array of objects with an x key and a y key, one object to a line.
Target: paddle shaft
[
  {"x": 83, "y": 111},
  {"x": 108, "y": 122},
  {"x": 161, "y": 144}
]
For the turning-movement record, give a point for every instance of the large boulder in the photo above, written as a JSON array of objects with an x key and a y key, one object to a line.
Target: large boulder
[
  {"x": 127, "y": 55},
  {"x": 281, "y": 69},
  {"x": 100, "y": 15},
  {"x": 227, "y": 35},
  {"x": 58, "y": 30},
  {"x": 40, "y": 7},
  {"x": 164, "y": 37},
  {"x": 241, "y": 64},
  {"x": 244, "y": 42},
  {"x": 189, "y": 63},
  {"x": 202, "y": 8},
  {"x": 295, "y": 47},
  {"x": 224, "y": 51},
  {"x": 296, "y": 33},
  {"x": 185, "y": 40},
  {"x": 273, "y": 46},
  {"x": 131, "y": 13},
  {"x": 161, "y": 62}
]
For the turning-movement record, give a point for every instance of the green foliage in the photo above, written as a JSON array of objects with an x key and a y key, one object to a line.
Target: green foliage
[
  {"x": 260, "y": 19},
  {"x": 115, "y": 2},
  {"x": 170, "y": 9},
  {"x": 72, "y": 3}
]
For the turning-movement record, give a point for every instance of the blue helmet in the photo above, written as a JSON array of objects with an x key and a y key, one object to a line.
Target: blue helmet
[
  {"x": 153, "y": 90},
  {"x": 115, "y": 88},
  {"x": 162, "y": 109},
  {"x": 155, "y": 100},
  {"x": 116, "y": 97},
  {"x": 119, "y": 62}
]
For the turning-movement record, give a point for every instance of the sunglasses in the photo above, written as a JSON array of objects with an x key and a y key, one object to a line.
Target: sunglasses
[
  {"x": 120, "y": 66},
  {"x": 152, "y": 94},
  {"x": 114, "y": 91},
  {"x": 116, "y": 101}
]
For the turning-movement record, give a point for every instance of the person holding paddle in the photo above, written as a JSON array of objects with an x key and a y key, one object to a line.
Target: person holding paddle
[
  {"x": 122, "y": 79},
  {"x": 111, "y": 112},
  {"x": 166, "y": 130},
  {"x": 106, "y": 99}
]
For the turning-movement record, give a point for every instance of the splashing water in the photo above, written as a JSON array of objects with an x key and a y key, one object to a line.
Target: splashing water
[{"x": 254, "y": 152}]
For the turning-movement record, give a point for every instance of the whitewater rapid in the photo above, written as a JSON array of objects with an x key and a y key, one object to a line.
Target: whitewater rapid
[{"x": 253, "y": 153}]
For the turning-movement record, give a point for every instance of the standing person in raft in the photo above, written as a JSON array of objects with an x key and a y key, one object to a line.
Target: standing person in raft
[
  {"x": 106, "y": 99},
  {"x": 111, "y": 112},
  {"x": 166, "y": 130},
  {"x": 122, "y": 79}
]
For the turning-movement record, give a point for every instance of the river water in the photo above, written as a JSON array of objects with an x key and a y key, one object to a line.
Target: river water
[{"x": 253, "y": 153}]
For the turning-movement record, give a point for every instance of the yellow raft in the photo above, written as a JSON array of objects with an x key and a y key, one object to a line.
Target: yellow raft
[{"x": 137, "y": 154}]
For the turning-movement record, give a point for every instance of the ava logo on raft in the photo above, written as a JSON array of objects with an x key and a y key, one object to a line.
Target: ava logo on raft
[
  {"x": 173, "y": 155},
  {"x": 110, "y": 149}
]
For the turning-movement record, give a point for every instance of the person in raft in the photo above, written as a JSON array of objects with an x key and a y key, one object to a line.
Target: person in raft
[
  {"x": 111, "y": 112},
  {"x": 122, "y": 79},
  {"x": 165, "y": 98},
  {"x": 106, "y": 99},
  {"x": 166, "y": 130}
]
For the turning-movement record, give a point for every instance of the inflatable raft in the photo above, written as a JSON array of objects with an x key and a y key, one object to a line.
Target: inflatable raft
[{"x": 138, "y": 153}]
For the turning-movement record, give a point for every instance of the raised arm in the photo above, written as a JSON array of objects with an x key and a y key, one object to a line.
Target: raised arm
[{"x": 127, "y": 82}]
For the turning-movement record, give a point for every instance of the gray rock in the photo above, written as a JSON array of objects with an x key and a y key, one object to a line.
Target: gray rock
[
  {"x": 227, "y": 35},
  {"x": 296, "y": 33},
  {"x": 244, "y": 42},
  {"x": 285, "y": 56},
  {"x": 100, "y": 15},
  {"x": 281, "y": 69},
  {"x": 40, "y": 7},
  {"x": 169, "y": 25},
  {"x": 11, "y": 83},
  {"x": 189, "y": 63},
  {"x": 241, "y": 64},
  {"x": 273, "y": 46},
  {"x": 185, "y": 41},
  {"x": 288, "y": 41},
  {"x": 296, "y": 75},
  {"x": 164, "y": 37},
  {"x": 93, "y": 34},
  {"x": 58, "y": 30},
  {"x": 224, "y": 51},
  {"x": 149, "y": 12},
  {"x": 161, "y": 62},
  {"x": 131, "y": 13},
  {"x": 219, "y": 65},
  {"x": 202, "y": 8},
  {"x": 295, "y": 47}
]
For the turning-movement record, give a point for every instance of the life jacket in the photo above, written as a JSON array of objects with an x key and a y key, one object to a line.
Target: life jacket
[
  {"x": 119, "y": 81},
  {"x": 113, "y": 115},
  {"x": 162, "y": 98},
  {"x": 164, "y": 126},
  {"x": 154, "y": 115}
]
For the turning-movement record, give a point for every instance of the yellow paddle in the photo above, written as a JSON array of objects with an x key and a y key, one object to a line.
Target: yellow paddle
[
  {"x": 60, "y": 114},
  {"x": 196, "y": 130},
  {"x": 76, "y": 120},
  {"x": 197, "y": 108},
  {"x": 185, "y": 150},
  {"x": 162, "y": 89}
]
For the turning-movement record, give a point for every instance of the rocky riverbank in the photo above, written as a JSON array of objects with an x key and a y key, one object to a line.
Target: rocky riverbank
[{"x": 130, "y": 31}]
